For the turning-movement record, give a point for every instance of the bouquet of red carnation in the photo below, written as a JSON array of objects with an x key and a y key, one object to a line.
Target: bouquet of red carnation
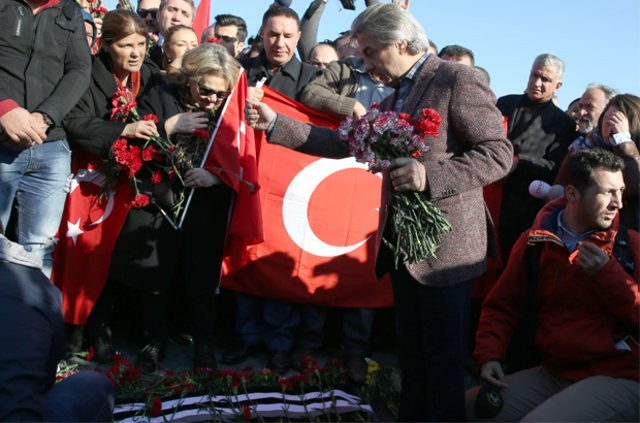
[
  {"x": 154, "y": 167},
  {"x": 97, "y": 9},
  {"x": 417, "y": 226}
]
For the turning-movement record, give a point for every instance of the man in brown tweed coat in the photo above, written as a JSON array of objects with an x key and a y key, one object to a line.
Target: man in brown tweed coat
[{"x": 471, "y": 150}]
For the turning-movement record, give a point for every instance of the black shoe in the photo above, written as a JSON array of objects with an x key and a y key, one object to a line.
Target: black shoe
[
  {"x": 279, "y": 361},
  {"x": 150, "y": 357},
  {"x": 205, "y": 357},
  {"x": 72, "y": 339},
  {"x": 356, "y": 368},
  {"x": 100, "y": 339},
  {"x": 239, "y": 352}
]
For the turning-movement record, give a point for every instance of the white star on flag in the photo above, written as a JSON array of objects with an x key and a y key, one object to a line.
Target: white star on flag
[{"x": 73, "y": 230}]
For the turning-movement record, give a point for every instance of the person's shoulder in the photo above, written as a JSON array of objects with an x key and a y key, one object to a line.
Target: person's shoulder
[
  {"x": 509, "y": 101},
  {"x": 252, "y": 62},
  {"x": 71, "y": 10}
]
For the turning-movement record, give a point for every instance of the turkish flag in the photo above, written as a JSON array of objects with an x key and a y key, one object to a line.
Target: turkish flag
[
  {"x": 201, "y": 17},
  {"x": 321, "y": 218},
  {"x": 232, "y": 157},
  {"x": 90, "y": 225}
]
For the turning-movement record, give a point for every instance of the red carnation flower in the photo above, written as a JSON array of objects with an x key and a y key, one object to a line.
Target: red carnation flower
[
  {"x": 148, "y": 153},
  {"x": 214, "y": 40},
  {"x": 151, "y": 117},
  {"x": 426, "y": 127},
  {"x": 90, "y": 354},
  {"x": 140, "y": 201},
  {"x": 156, "y": 407},
  {"x": 156, "y": 177},
  {"x": 203, "y": 134},
  {"x": 432, "y": 115}
]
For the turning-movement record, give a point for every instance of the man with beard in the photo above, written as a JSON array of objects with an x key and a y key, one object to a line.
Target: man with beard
[
  {"x": 586, "y": 301},
  {"x": 590, "y": 107}
]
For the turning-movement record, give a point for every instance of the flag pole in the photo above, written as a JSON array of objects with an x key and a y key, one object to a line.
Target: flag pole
[{"x": 210, "y": 145}]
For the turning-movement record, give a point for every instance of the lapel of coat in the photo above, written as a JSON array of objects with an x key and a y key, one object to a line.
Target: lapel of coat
[{"x": 420, "y": 85}]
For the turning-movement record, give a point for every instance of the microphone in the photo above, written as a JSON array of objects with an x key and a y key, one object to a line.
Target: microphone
[{"x": 542, "y": 190}]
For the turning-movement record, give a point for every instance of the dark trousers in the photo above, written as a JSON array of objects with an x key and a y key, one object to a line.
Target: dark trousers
[
  {"x": 31, "y": 344},
  {"x": 432, "y": 330}
]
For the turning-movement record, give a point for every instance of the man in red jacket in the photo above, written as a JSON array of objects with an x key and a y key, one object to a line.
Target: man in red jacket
[{"x": 587, "y": 308}]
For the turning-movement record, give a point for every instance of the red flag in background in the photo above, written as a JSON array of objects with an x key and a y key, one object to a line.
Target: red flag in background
[
  {"x": 232, "y": 157},
  {"x": 88, "y": 231},
  {"x": 321, "y": 217},
  {"x": 201, "y": 18}
]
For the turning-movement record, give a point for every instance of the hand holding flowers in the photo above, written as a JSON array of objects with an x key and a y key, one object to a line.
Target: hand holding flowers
[{"x": 390, "y": 141}]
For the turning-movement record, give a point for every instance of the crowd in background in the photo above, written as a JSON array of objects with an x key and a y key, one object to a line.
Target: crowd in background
[{"x": 513, "y": 171}]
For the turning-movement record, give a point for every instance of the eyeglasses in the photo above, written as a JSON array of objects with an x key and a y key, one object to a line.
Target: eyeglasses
[
  {"x": 208, "y": 92},
  {"x": 226, "y": 38},
  {"x": 143, "y": 13}
]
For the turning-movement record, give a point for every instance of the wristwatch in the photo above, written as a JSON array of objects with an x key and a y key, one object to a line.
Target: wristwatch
[
  {"x": 47, "y": 120},
  {"x": 619, "y": 138}
]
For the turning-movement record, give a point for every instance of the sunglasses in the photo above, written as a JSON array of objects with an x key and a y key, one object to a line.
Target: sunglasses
[
  {"x": 143, "y": 13},
  {"x": 226, "y": 38},
  {"x": 208, "y": 92}
]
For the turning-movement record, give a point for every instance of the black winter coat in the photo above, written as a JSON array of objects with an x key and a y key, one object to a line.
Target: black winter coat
[
  {"x": 88, "y": 124},
  {"x": 44, "y": 59}
]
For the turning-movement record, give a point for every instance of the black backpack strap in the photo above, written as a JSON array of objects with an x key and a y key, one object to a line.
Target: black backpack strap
[{"x": 622, "y": 250}]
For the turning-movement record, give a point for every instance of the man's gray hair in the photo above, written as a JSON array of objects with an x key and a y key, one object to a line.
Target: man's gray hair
[
  {"x": 388, "y": 23},
  {"x": 609, "y": 92},
  {"x": 547, "y": 59}
]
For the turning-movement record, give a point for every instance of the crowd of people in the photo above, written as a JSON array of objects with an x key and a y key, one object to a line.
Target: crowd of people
[{"x": 537, "y": 281}]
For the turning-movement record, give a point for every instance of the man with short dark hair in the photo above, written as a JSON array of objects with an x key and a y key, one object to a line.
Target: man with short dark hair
[
  {"x": 586, "y": 302},
  {"x": 230, "y": 30},
  {"x": 280, "y": 33},
  {"x": 456, "y": 53},
  {"x": 45, "y": 69},
  {"x": 148, "y": 11}
]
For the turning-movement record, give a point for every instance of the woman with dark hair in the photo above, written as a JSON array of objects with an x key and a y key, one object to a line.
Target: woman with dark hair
[
  {"x": 619, "y": 125},
  {"x": 193, "y": 254},
  {"x": 178, "y": 40},
  {"x": 119, "y": 66}
]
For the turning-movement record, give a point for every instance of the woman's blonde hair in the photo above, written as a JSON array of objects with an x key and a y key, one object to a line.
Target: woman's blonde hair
[{"x": 207, "y": 59}]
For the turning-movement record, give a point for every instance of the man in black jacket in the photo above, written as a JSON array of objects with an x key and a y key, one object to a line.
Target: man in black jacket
[
  {"x": 44, "y": 70},
  {"x": 278, "y": 63},
  {"x": 540, "y": 133}
]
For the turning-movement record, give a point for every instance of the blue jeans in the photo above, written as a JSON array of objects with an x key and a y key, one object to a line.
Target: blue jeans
[
  {"x": 37, "y": 180},
  {"x": 357, "y": 324},
  {"x": 260, "y": 319}
]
